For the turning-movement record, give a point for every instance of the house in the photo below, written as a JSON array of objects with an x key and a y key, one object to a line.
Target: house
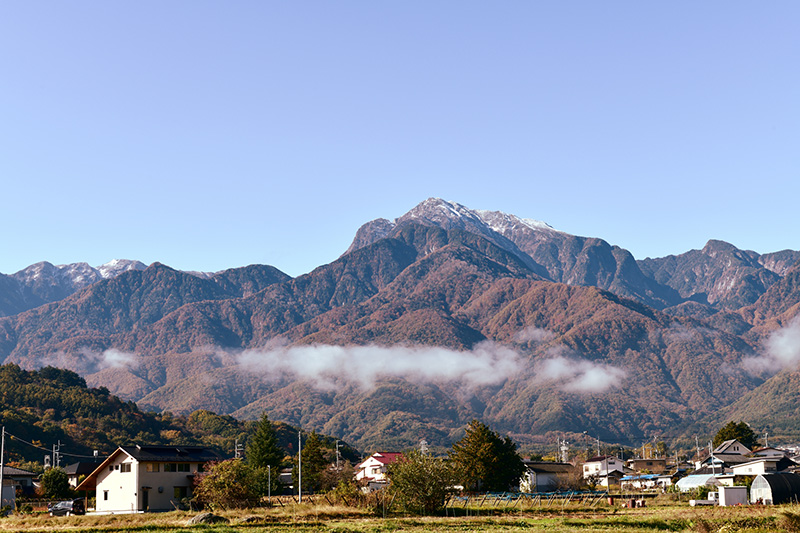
[
  {"x": 544, "y": 476},
  {"x": 762, "y": 465},
  {"x": 780, "y": 487},
  {"x": 650, "y": 466},
  {"x": 374, "y": 469},
  {"x": 606, "y": 470},
  {"x": 77, "y": 470},
  {"x": 770, "y": 452},
  {"x": 731, "y": 447},
  {"x": 15, "y": 479},
  {"x": 146, "y": 478}
]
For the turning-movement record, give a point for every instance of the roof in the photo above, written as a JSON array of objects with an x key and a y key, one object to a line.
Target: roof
[
  {"x": 722, "y": 448},
  {"x": 82, "y": 468},
  {"x": 153, "y": 454},
  {"x": 690, "y": 482},
  {"x": 385, "y": 458},
  {"x": 600, "y": 458},
  {"x": 11, "y": 471},
  {"x": 641, "y": 476},
  {"x": 711, "y": 471},
  {"x": 171, "y": 454},
  {"x": 770, "y": 452},
  {"x": 548, "y": 467},
  {"x": 728, "y": 458}
]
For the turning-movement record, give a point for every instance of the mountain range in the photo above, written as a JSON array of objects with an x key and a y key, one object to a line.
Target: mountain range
[{"x": 426, "y": 321}]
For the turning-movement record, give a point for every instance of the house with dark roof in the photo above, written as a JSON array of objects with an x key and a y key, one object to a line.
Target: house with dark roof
[
  {"x": 80, "y": 469},
  {"x": 605, "y": 470},
  {"x": 544, "y": 476},
  {"x": 731, "y": 447},
  {"x": 16, "y": 479},
  {"x": 146, "y": 478},
  {"x": 762, "y": 465}
]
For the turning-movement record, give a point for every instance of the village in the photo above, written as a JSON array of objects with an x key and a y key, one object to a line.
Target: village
[{"x": 136, "y": 479}]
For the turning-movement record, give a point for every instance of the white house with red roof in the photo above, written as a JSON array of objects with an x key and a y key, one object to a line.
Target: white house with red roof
[{"x": 376, "y": 466}]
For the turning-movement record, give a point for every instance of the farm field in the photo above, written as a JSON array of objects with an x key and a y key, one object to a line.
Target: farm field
[{"x": 307, "y": 517}]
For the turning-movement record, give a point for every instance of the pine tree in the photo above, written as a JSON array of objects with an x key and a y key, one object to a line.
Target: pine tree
[
  {"x": 265, "y": 456},
  {"x": 262, "y": 448},
  {"x": 485, "y": 461},
  {"x": 740, "y": 431},
  {"x": 314, "y": 463}
]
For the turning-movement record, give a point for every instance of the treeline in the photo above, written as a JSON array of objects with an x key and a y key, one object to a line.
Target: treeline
[
  {"x": 40, "y": 408},
  {"x": 481, "y": 461}
]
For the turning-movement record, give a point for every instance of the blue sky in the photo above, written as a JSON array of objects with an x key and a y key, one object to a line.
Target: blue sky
[{"x": 209, "y": 135}]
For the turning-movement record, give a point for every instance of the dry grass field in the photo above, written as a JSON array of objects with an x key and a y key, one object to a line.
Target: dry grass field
[{"x": 668, "y": 516}]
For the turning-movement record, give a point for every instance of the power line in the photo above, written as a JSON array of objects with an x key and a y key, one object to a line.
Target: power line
[{"x": 48, "y": 450}]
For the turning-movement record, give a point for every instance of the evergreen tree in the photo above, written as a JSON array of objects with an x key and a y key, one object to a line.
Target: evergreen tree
[
  {"x": 265, "y": 456},
  {"x": 262, "y": 448},
  {"x": 314, "y": 464},
  {"x": 484, "y": 461},
  {"x": 740, "y": 431}
]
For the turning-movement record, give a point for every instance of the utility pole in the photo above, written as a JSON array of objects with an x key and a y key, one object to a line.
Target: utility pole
[
  {"x": 269, "y": 484},
  {"x": 2, "y": 462},
  {"x": 598, "y": 445},
  {"x": 299, "y": 467},
  {"x": 337, "y": 455},
  {"x": 766, "y": 439},
  {"x": 56, "y": 462},
  {"x": 564, "y": 449},
  {"x": 238, "y": 449},
  {"x": 711, "y": 454}
]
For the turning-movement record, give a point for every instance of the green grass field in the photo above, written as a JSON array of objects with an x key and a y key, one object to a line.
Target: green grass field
[{"x": 668, "y": 516}]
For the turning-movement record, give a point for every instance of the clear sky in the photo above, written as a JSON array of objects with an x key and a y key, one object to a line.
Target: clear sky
[{"x": 209, "y": 135}]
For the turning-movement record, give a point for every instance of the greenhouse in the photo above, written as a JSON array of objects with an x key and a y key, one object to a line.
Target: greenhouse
[{"x": 783, "y": 487}]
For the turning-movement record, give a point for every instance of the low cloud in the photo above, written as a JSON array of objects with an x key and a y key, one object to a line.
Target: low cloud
[
  {"x": 87, "y": 361},
  {"x": 533, "y": 334},
  {"x": 579, "y": 375},
  {"x": 781, "y": 350},
  {"x": 487, "y": 364}
]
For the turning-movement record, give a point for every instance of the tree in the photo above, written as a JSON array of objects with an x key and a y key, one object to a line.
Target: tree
[
  {"x": 314, "y": 464},
  {"x": 740, "y": 431},
  {"x": 421, "y": 482},
  {"x": 485, "y": 461},
  {"x": 263, "y": 453},
  {"x": 228, "y": 484},
  {"x": 55, "y": 484}
]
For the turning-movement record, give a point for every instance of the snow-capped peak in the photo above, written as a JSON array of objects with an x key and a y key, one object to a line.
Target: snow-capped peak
[{"x": 115, "y": 267}]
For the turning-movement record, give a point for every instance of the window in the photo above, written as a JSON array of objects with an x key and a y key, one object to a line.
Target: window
[
  {"x": 105, "y": 495},
  {"x": 171, "y": 467},
  {"x": 125, "y": 467},
  {"x": 180, "y": 492},
  {"x": 152, "y": 467},
  {"x": 183, "y": 467}
]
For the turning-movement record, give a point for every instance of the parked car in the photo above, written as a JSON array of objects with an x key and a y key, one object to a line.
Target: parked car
[{"x": 66, "y": 508}]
